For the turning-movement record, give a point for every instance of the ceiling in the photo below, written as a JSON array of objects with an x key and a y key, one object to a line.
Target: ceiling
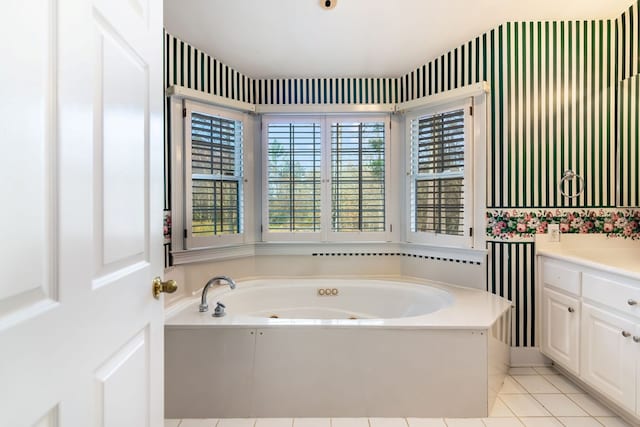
[{"x": 359, "y": 38}]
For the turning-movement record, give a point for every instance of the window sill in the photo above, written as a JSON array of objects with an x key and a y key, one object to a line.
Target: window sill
[{"x": 477, "y": 256}]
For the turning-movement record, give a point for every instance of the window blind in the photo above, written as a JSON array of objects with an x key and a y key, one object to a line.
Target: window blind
[
  {"x": 216, "y": 175},
  {"x": 358, "y": 176},
  {"x": 438, "y": 151},
  {"x": 294, "y": 177}
]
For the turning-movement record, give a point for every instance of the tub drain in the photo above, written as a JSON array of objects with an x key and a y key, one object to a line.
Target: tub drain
[
  {"x": 353, "y": 318},
  {"x": 274, "y": 316}
]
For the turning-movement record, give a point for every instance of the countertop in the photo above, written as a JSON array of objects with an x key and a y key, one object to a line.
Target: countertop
[{"x": 612, "y": 255}]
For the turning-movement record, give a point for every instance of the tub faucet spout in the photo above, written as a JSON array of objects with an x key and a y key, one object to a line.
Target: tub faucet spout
[{"x": 203, "y": 301}]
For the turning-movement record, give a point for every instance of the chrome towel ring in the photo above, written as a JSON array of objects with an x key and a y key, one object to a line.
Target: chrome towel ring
[{"x": 566, "y": 177}]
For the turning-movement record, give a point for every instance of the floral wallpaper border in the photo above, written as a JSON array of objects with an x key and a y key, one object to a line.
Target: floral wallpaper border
[{"x": 520, "y": 223}]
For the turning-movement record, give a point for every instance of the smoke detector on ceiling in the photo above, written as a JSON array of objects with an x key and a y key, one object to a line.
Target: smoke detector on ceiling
[{"x": 328, "y": 4}]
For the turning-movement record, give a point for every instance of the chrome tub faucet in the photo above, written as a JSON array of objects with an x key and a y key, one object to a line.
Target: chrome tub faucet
[{"x": 203, "y": 301}]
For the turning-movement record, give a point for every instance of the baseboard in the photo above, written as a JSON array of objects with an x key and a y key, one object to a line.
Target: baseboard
[{"x": 528, "y": 356}]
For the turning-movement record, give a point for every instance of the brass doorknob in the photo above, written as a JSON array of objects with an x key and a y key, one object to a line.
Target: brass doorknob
[{"x": 170, "y": 286}]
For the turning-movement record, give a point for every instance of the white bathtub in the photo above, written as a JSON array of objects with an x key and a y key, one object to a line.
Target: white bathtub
[
  {"x": 369, "y": 348},
  {"x": 315, "y": 299}
]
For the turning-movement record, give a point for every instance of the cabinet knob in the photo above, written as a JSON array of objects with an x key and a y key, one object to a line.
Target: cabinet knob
[
  {"x": 626, "y": 334},
  {"x": 571, "y": 309},
  {"x": 636, "y": 339},
  {"x": 632, "y": 302}
]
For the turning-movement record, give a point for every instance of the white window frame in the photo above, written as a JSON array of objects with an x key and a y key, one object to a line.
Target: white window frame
[
  {"x": 439, "y": 239},
  {"x": 325, "y": 234},
  {"x": 195, "y": 242}
]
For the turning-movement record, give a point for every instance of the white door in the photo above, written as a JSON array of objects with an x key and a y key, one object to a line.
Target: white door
[
  {"x": 561, "y": 328},
  {"x": 609, "y": 355},
  {"x": 81, "y": 164}
]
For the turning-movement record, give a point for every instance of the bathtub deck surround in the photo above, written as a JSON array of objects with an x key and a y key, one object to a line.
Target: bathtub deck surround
[
  {"x": 530, "y": 397},
  {"x": 349, "y": 348}
]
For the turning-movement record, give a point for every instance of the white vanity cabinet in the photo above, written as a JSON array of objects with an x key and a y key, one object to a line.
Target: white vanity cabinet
[
  {"x": 590, "y": 322},
  {"x": 561, "y": 314}
]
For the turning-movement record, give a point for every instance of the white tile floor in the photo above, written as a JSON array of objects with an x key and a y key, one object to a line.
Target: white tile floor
[{"x": 530, "y": 397}]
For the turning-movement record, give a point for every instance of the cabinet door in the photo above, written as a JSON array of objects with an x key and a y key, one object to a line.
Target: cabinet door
[
  {"x": 561, "y": 329},
  {"x": 608, "y": 355}
]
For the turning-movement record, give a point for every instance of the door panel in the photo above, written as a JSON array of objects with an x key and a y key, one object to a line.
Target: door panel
[
  {"x": 122, "y": 381},
  {"x": 124, "y": 117},
  {"x": 561, "y": 326},
  {"x": 80, "y": 333},
  {"x": 26, "y": 118}
]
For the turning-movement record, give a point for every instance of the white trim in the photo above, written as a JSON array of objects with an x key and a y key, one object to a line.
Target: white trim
[
  {"x": 324, "y": 108},
  {"x": 528, "y": 356},
  {"x": 177, "y": 174},
  {"x": 182, "y": 92},
  {"x": 452, "y": 95},
  {"x": 212, "y": 254},
  {"x": 309, "y": 248},
  {"x": 469, "y": 254}
]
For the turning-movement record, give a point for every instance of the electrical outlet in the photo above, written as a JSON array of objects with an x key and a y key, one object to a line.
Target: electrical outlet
[{"x": 553, "y": 230}]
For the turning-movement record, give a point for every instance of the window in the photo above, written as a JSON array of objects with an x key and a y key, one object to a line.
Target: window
[
  {"x": 325, "y": 178},
  {"x": 357, "y": 176},
  {"x": 213, "y": 176},
  {"x": 441, "y": 191},
  {"x": 293, "y": 177}
]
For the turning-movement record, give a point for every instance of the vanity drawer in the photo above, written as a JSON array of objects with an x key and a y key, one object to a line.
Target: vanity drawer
[
  {"x": 624, "y": 297},
  {"x": 561, "y": 276}
]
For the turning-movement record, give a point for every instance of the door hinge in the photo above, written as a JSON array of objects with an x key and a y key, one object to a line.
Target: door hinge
[
  {"x": 185, "y": 233},
  {"x": 184, "y": 112},
  {"x": 470, "y": 231},
  {"x": 471, "y": 110},
  {"x": 390, "y": 228},
  {"x": 261, "y": 228}
]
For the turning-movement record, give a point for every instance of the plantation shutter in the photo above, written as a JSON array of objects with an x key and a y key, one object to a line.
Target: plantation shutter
[
  {"x": 438, "y": 169},
  {"x": 358, "y": 176},
  {"x": 216, "y": 175},
  {"x": 294, "y": 177}
]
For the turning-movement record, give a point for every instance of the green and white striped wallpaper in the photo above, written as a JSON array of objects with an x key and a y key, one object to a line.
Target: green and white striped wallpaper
[
  {"x": 629, "y": 107},
  {"x": 629, "y": 142},
  {"x": 553, "y": 103},
  {"x": 510, "y": 273},
  {"x": 192, "y": 68},
  {"x": 326, "y": 91},
  {"x": 629, "y": 42}
]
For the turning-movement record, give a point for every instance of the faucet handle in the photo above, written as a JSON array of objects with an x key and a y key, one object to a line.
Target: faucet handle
[{"x": 219, "y": 311}]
